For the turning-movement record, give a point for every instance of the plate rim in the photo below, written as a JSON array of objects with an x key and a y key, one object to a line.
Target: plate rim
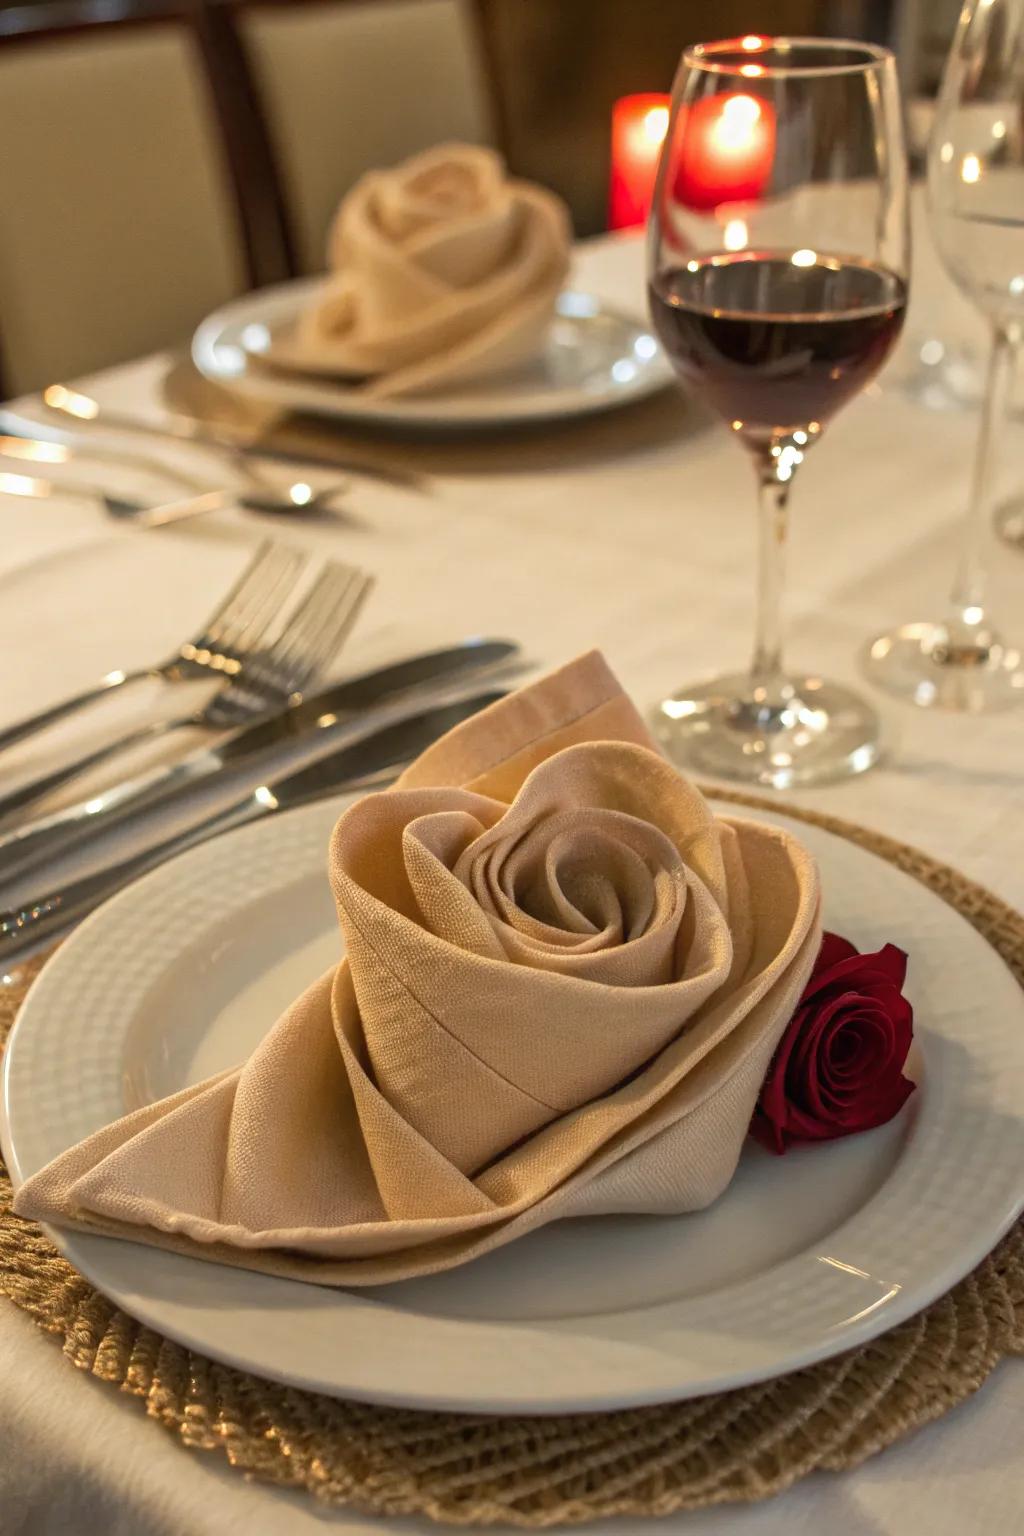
[
  {"x": 414, "y": 412},
  {"x": 903, "y": 1305}
]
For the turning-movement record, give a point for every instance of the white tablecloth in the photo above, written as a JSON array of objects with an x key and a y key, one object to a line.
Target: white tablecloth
[{"x": 638, "y": 536}]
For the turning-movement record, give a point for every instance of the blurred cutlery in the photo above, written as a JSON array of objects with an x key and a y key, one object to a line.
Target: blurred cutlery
[
  {"x": 36, "y": 443},
  {"x": 235, "y": 627},
  {"x": 299, "y": 497},
  {"x": 71, "y": 404},
  {"x": 367, "y": 763},
  {"x": 267, "y": 678},
  {"x": 339, "y": 713}
]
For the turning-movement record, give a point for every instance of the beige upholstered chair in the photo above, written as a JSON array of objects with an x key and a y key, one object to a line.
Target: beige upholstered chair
[
  {"x": 119, "y": 225},
  {"x": 350, "y": 84}
]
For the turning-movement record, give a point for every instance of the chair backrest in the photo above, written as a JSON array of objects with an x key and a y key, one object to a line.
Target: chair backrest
[
  {"x": 351, "y": 84},
  {"x": 119, "y": 224}
]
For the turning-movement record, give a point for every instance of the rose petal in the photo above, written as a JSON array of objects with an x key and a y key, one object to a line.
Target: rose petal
[
  {"x": 887, "y": 966},
  {"x": 882, "y": 1107},
  {"x": 893, "y": 962},
  {"x": 834, "y": 949},
  {"x": 801, "y": 1126},
  {"x": 768, "y": 1132}
]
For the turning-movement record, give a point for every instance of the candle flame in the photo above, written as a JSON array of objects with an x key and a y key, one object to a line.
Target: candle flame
[
  {"x": 742, "y": 109},
  {"x": 752, "y": 42},
  {"x": 734, "y": 130},
  {"x": 970, "y": 171},
  {"x": 655, "y": 125}
]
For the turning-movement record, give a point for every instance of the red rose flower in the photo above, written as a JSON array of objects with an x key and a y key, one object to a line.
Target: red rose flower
[{"x": 839, "y": 1066}]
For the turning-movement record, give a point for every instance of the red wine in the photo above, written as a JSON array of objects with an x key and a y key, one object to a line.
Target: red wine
[{"x": 777, "y": 342}]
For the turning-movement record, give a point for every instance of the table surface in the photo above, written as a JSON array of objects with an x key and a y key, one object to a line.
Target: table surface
[{"x": 634, "y": 533}]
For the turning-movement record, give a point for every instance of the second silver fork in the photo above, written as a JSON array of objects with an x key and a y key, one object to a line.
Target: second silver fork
[
  {"x": 236, "y": 626},
  {"x": 267, "y": 679}
]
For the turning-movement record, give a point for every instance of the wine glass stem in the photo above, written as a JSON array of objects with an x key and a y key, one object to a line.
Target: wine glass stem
[
  {"x": 968, "y": 595},
  {"x": 774, "y": 467}
]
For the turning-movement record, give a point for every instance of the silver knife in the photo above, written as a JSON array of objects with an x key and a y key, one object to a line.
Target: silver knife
[
  {"x": 364, "y": 764},
  {"x": 329, "y": 715}
]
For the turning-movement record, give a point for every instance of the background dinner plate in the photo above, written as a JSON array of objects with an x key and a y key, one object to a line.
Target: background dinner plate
[
  {"x": 595, "y": 359},
  {"x": 804, "y": 1256}
]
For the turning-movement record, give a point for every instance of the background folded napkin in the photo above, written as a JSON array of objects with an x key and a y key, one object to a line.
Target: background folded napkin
[
  {"x": 443, "y": 271},
  {"x": 564, "y": 982}
]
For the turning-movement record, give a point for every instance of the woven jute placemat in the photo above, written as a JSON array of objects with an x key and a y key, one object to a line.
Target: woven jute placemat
[{"x": 729, "y": 1447}]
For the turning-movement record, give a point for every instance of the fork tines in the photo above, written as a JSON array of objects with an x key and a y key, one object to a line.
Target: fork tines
[
  {"x": 243, "y": 618},
  {"x": 313, "y": 633}
]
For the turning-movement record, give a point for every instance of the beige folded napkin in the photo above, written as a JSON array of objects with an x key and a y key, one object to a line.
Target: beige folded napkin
[
  {"x": 443, "y": 271},
  {"x": 563, "y": 984}
]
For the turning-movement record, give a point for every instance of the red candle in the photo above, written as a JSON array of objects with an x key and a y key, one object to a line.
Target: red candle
[
  {"x": 725, "y": 150},
  {"x": 638, "y": 131}
]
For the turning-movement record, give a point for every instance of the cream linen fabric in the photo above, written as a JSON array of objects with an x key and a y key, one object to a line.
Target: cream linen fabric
[
  {"x": 443, "y": 271},
  {"x": 564, "y": 982}
]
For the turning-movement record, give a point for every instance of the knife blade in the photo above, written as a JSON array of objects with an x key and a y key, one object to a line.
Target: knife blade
[
  {"x": 364, "y": 763},
  {"x": 318, "y": 718}
]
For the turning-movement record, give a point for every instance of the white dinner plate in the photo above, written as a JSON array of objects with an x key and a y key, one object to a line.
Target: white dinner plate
[
  {"x": 803, "y": 1256},
  {"x": 595, "y": 358}
]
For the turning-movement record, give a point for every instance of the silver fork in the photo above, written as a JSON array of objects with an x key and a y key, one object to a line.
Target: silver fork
[
  {"x": 235, "y": 627},
  {"x": 278, "y": 675},
  {"x": 260, "y": 681}
]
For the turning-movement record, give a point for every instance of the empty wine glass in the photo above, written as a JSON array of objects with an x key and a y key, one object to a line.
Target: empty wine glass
[
  {"x": 778, "y": 252},
  {"x": 976, "y": 207}
]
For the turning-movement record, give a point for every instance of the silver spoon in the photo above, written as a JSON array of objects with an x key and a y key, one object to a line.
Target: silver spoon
[{"x": 299, "y": 497}]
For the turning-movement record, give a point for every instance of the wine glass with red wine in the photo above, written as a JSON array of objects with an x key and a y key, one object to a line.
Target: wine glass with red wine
[{"x": 777, "y": 266}]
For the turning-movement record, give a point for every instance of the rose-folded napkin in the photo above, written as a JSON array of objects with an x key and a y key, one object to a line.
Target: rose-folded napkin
[
  {"x": 443, "y": 271},
  {"x": 564, "y": 979}
]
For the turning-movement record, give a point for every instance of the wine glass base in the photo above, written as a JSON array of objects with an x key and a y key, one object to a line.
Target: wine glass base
[
  {"x": 809, "y": 731},
  {"x": 920, "y": 664}
]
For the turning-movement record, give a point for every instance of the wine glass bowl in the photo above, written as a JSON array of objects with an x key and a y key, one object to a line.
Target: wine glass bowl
[
  {"x": 778, "y": 342},
  {"x": 976, "y": 162},
  {"x": 777, "y": 278}
]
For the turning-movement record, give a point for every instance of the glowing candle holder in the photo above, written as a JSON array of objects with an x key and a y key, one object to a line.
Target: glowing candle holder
[
  {"x": 727, "y": 145},
  {"x": 639, "y": 124}
]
